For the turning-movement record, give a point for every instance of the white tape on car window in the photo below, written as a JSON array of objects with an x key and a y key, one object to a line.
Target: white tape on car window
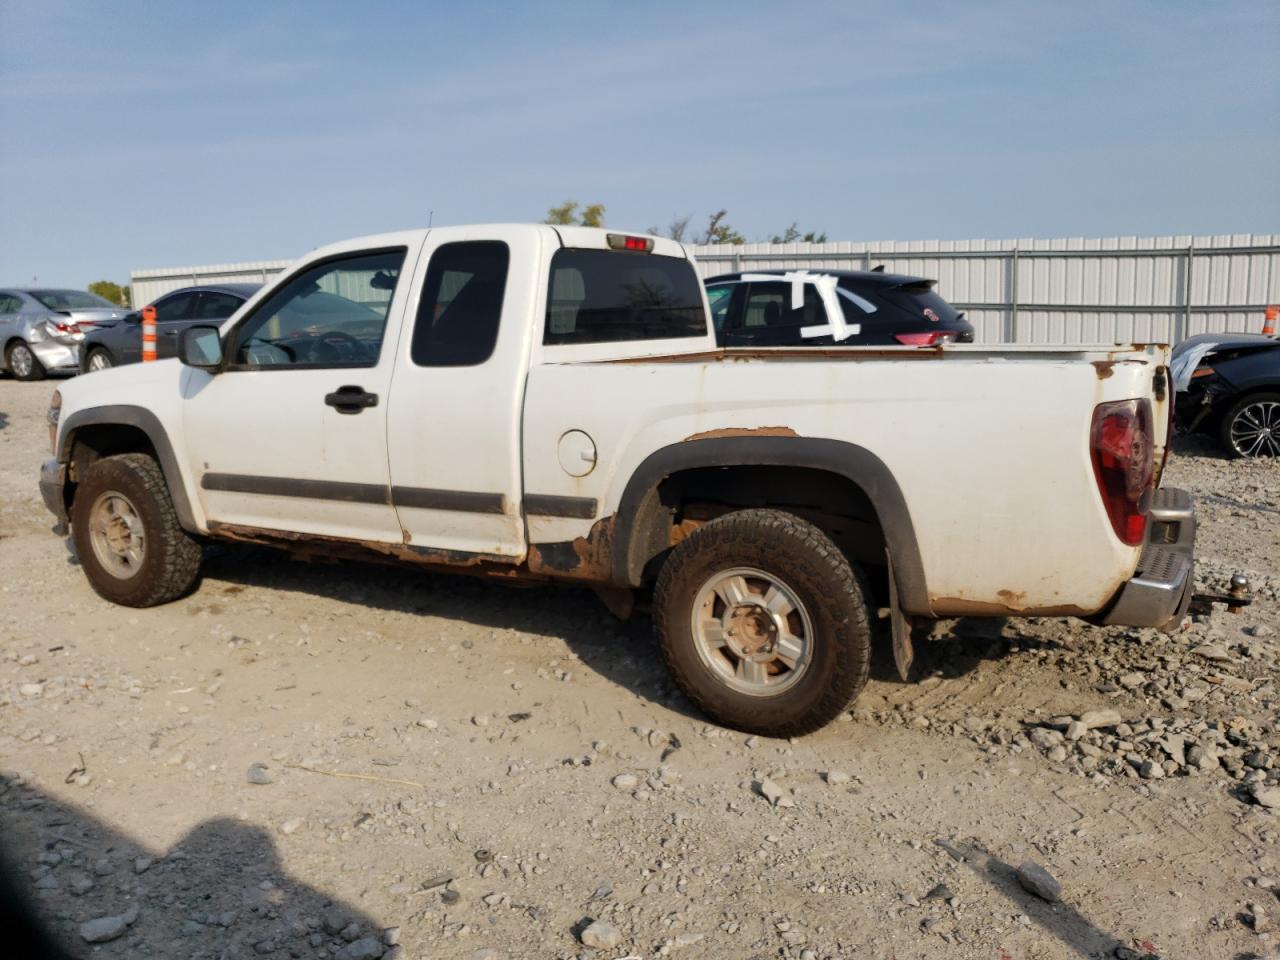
[{"x": 826, "y": 286}]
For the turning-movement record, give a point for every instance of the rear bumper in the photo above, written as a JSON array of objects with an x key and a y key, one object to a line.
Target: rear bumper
[
  {"x": 53, "y": 478},
  {"x": 1159, "y": 592},
  {"x": 56, "y": 355}
]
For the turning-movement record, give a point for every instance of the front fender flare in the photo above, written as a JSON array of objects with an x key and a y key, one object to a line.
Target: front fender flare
[{"x": 146, "y": 421}]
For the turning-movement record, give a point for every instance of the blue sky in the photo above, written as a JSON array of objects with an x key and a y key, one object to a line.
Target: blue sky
[{"x": 152, "y": 135}]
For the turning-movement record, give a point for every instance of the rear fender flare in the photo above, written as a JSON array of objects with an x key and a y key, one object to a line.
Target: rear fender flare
[{"x": 848, "y": 460}]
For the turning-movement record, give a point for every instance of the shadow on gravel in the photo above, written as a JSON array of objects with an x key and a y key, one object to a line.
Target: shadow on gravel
[
  {"x": 4, "y": 419},
  {"x": 219, "y": 892},
  {"x": 1059, "y": 920},
  {"x": 622, "y": 652},
  {"x": 957, "y": 652}
]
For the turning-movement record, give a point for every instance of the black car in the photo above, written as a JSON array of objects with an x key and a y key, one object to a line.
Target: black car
[
  {"x": 754, "y": 309},
  {"x": 1228, "y": 386},
  {"x": 117, "y": 342}
]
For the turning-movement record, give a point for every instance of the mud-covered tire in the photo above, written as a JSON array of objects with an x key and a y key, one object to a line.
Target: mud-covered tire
[
  {"x": 170, "y": 557},
  {"x": 23, "y": 362},
  {"x": 1247, "y": 429},
  {"x": 833, "y": 594}
]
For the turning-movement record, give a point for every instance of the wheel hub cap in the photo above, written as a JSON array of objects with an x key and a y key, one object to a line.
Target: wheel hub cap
[
  {"x": 117, "y": 535},
  {"x": 752, "y": 631}
]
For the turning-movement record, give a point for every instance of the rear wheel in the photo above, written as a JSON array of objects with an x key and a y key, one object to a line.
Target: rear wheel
[
  {"x": 22, "y": 362},
  {"x": 127, "y": 535},
  {"x": 1251, "y": 426},
  {"x": 764, "y": 623},
  {"x": 99, "y": 359}
]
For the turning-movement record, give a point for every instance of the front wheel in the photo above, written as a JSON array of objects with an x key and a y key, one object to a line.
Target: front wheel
[
  {"x": 1251, "y": 427},
  {"x": 763, "y": 623},
  {"x": 23, "y": 363},
  {"x": 127, "y": 536}
]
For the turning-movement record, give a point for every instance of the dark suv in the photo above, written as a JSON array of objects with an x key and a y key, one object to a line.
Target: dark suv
[
  {"x": 754, "y": 309},
  {"x": 114, "y": 343}
]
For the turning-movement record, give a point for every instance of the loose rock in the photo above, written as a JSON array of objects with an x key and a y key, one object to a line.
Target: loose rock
[{"x": 1036, "y": 879}]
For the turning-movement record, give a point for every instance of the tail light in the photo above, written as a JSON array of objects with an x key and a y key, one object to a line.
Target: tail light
[
  {"x": 61, "y": 328},
  {"x": 927, "y": 338},
  {"x": 1120, "y": 442}
]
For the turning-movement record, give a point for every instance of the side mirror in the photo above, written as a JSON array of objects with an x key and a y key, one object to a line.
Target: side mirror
[
  {"x": 132, "y": 317},
  {"x": 201, "y": 347}
]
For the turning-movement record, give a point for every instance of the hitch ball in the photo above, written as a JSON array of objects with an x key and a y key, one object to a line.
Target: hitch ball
[{"x": 1239, "y": 591}]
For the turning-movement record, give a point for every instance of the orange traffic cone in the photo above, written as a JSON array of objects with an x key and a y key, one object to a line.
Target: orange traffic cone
[{"x": 1269, "y": 321}]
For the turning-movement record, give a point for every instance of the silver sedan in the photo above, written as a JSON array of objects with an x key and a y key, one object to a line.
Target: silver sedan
[{"x": 41, "y": 329}]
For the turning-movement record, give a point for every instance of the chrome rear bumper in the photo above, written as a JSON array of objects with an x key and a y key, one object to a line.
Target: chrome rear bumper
[{"x": 1159, "y": 592}]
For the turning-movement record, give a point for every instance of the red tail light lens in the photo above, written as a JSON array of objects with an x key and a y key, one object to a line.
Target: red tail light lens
[
  {"x": 1120, "y": 442},
  {"x": 926, "y": 339}
]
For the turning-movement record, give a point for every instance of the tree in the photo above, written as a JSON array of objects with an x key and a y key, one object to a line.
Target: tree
[
  {"x": 720, "y": 232},
  {"x": 792, "y": 234},
  {"x": 111, "y": 291},
  {"x": 592, "y": 214}
]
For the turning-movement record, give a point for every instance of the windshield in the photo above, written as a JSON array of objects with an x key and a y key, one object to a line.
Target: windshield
[{"x": 72, "y": 300}]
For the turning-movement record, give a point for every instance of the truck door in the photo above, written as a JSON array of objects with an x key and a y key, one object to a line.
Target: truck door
[
  {"x": 291, "y": 435},
  {"x": 454, "y": 420}
]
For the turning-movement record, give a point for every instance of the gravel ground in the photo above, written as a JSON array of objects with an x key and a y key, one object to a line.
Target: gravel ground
[{"x": 357, "y": 761}]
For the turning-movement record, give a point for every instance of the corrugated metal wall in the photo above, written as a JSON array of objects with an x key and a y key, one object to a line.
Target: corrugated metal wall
[
  {"x": 147, "y": 285},
  {"x": 1070, "y": 290}
]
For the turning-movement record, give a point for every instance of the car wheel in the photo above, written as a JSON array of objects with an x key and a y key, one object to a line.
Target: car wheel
[
  {"x": 764, "y": 623},
  {"x": 22, "y": 362},
  {"x": 99, "y": 359},
  {"x": 1251, "y": 426},
  {"x": 127, "y": 535}
]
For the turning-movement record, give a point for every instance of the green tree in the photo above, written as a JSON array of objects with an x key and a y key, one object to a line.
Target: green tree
[
  {"x": 792, "y": 234},
  {"x": 111, "y": 291},
  {"x": 718, "y": 231},
  {"x": 567, "y": 214}
]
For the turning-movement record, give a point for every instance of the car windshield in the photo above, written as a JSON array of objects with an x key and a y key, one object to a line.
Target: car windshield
[{"x": 72, "y": 300}]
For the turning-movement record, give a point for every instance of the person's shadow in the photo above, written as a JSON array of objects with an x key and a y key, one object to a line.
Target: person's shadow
[{"x": 221, "y": 891}]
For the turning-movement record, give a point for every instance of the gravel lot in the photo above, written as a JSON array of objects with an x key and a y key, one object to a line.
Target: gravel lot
[{"x": 450, "y": 768}]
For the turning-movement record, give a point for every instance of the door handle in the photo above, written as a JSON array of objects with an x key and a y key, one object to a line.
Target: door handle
[{"x": 351, "y": 399}]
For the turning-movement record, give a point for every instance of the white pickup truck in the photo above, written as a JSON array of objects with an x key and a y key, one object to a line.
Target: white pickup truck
[{"x": 538, "y": 402}]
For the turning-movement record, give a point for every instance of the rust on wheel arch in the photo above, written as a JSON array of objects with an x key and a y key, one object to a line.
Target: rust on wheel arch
[{"x": 743, "y": 432}]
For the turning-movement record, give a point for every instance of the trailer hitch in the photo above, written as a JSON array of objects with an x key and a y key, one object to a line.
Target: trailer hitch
[{"x": 1236, "y": 599}]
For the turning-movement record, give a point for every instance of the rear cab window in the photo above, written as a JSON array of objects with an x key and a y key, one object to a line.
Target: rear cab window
[{"x": 610, "y": 296}]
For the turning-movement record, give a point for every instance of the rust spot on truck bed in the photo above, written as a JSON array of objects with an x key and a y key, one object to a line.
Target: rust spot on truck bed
[
  {"x": 1105, "y": 368},
  {"x": 962, "y": 607},
  {"x": 586, "y": 558},
  {"x": 743, "y": 432},
  {"x": 742, "y": 354}
]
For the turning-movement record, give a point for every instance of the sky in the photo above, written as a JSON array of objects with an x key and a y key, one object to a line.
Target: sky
[{"x": 140, "y": 135}]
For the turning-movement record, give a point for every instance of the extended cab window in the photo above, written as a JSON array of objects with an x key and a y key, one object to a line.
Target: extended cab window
[
  {"x": 331, "y": 315},
  {"x": 603, "y": 296},
  {"x": 461, "y": 304}
]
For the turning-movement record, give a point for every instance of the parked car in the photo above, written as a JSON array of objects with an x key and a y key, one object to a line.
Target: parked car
[
  {"x": 1228, "y": 386},
  {"x": 120, "y": 341},
  {"x": 547, "y": 403},
  {"x": 40, "y": 329},
  {"x": 780, "y": 308}
]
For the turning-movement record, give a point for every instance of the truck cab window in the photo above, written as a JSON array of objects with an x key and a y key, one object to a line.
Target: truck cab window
[
  {"x": 332, "y": 315},
  {"x": 461, "y": 305}
]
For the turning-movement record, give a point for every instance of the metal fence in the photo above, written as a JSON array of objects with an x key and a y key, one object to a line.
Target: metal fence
[{"x": 1069, "y": 291}]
